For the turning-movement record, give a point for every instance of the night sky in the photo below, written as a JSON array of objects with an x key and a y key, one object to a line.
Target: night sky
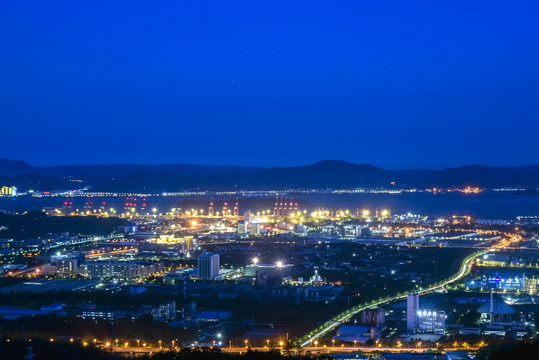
[{"x": 398, "y": 84}]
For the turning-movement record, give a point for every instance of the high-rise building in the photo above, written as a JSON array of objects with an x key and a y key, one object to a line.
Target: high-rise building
[
  {"x": 67, "y": 265},
  {"x": 247, "y": 215},
  {"x": 411, "y": 311},
  {"x": 208, "y": 266},
  {"x": 255, "y": 229},
  {"x": 242, "y": 226},
  {"x": 530, "y": 285}
]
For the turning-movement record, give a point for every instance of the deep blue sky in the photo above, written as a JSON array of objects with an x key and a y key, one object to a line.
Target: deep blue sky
[{"x": 397, "y": 84}]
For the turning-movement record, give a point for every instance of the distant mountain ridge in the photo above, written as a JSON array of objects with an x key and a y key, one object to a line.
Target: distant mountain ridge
[
  {"x": 324, "y": 174},
  {"x": 17, "y": 168}
]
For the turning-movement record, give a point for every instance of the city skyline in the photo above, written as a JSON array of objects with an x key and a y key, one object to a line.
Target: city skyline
[{"x": 278, "y": 180}]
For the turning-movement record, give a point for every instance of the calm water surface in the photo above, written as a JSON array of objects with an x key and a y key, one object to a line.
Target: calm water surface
[{"x": 487, "y": 205}]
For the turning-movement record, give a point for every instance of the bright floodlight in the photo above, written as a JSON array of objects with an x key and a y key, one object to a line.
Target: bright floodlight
[
  {"x": 279, "y": 263},
  {"x": 255, "y": 260}
]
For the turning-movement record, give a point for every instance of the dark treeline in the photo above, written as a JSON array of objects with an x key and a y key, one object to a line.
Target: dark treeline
[
  {"x": 52, "y": 327},
  {"x": 122, "y": 300},
  {"x": 510, "y": 350},
  {"x": 45, "y": 350},
  {"x": 37, "y": 223},
  {"x": 216, "y": 354}
]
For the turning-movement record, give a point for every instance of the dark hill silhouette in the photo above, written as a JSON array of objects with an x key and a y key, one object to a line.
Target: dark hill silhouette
[
  {"x": 321, "y": 175},
  {"x": 17, "y": 168}
]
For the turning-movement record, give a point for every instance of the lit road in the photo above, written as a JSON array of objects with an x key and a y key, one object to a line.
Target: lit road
[
  {"x": 344, "y": 316},
  {"x": 123, "y": 251},
  {"x": 15, "y": 273},
  {"x": 314, "y": 349},
  {"x": 340, "y": 349}
]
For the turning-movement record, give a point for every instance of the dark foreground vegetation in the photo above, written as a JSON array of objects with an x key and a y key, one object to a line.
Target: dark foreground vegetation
[
  {"x": 45, "y": 350},
  {"x": 510, "y": 350}
]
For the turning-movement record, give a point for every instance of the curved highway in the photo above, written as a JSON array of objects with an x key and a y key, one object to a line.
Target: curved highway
[{"x": 344, "y": 316}]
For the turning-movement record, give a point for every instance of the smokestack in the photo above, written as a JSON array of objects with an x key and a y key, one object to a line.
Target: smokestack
[
  {"x": 491, "y": 301},
  {"x": 491, "y": 304}
]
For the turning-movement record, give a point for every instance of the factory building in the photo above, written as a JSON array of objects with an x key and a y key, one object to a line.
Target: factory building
[{"x": 423, "y": 320}]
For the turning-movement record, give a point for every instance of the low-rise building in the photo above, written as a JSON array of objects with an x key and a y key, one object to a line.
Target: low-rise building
[
  {"x": 165, "y": 311},
  {"x": 431, "y": 321},
  {"x": 119, "y": 269}
]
